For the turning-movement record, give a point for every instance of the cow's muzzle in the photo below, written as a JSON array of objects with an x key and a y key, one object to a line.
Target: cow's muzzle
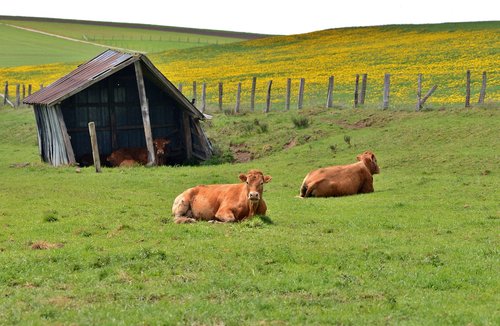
[{"x": 253, "y": 196}]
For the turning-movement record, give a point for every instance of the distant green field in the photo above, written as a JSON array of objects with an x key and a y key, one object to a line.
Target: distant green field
[
  {"x": 423, "y": 249},
  {"x": 134, "y": 39},
  {"x": 21, "y": 48}
]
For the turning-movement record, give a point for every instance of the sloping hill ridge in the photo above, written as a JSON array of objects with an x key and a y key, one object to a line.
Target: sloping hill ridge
[{"x": 188, "y": 30}]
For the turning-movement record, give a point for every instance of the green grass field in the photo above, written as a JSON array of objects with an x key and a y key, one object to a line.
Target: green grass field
[
  {"x": 29, "y": 48},
  {"x": 21, "y": 48},
  {"x": 421, "y": 250}
]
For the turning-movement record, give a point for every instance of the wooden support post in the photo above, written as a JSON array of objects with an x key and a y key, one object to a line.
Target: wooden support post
[
  {"x": 329, "y": 94},
  {"x": 194, "y": 93},
  {"x": 467, "y": 90},
  {"x": 288, "y": 93},
  {"x": 238, "y": 96},
  {"x": 145, "y": 113},
  {"x": 419, "y": 93},
  {"x": 301, "y": 93},
  {"x": 387, "y": 84},
  {"x": 18, "y": 95},
  {"x": 203, "y": 97},
  {"x": 188, "y": 142},
  {"x": 220, "y": 95},
  {"x": 268, "y": 97},
  {"x": 6, "y": 93},
  {"x": 95, "y": 147},
  {"x": 252, "y": 94},
  {"x": 429, "y": 93},
  {"x": 482, "y": 94},
  {"x": 362, "y": 95},
  {"x": 66, "y": 139},
  {"x": 29, "y": 89},
  {"x": 24, "y": 92},
  {"x": 356, "y": 89}
]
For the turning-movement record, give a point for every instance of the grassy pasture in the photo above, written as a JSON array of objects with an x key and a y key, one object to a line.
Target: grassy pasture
[
  {"x": 421, "y": 250},
  {"x": 137, "y": 39},
  {"x": 20, "y": 48}
]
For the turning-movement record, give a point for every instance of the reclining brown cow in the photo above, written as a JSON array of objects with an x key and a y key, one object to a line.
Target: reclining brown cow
[
  {"x": 342, "y": 180},
  {"x": 130, "y": 156},
  {"x": 223, "y": 203}
]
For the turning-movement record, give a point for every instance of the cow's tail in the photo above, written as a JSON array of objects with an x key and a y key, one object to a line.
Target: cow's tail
[{"x": 181, "y": 209}]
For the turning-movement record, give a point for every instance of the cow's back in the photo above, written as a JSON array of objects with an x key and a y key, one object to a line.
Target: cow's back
[{"x": 338, "y": 180}]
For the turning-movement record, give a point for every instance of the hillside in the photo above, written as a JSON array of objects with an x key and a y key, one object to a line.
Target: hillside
[
  {"x": 30, "y": 47},
  {"x": 78, "y": 247},
  {"x": 441, "y": 52}
]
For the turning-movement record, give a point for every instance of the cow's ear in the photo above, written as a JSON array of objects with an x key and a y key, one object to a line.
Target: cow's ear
[
  {"x": 243, "y": 177},
  {"x": 358, "y": 157},
  {"x": 267, "y": 178}
]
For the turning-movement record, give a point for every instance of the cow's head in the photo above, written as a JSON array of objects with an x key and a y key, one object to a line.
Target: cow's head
[
  {"x": 113, "y": 159},
  {"x": 370, "y": 161},
  {"x": 161, "y": 146},
  {"x": 255, "y": 180}
]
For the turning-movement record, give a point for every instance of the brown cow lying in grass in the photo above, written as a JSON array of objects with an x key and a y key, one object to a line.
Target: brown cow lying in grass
[
  {"x": 223, "y": 203},
  {"x": 342, "y": 180},
  {"x": 126, "y": 157}
]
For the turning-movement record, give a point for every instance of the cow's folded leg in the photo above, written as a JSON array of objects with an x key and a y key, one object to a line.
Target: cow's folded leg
[{"x": 225, "y": 216}]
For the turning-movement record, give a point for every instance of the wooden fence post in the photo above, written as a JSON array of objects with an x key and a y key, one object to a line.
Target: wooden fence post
[
  {"x": 419, "y": 93},
  {"x": 301, "y": 93},
  {"x": 24, "y": 91},
  {"x": 329, "y": 95},
  {"x": 429, "y": 93},
  {"x": 387, "y": 84},
  {"x": 238, "y": 96},
  {"x": 288, "y": 93},
  {"x": 356, "y": 89},
  {"x": 6, "y": 93},
  {"x": 220, "y": 95},
  {"x": 180, "y": 87},
  {"x": 362, "y": 95},
  {"x": 268, "y": 97},
  {"x": 467, "y": 90},
  {"x": 203, "y": 97},
  {"x": 482, "y": 94},
  {"x": 29, "y": 89},
  {"x": 95, "y": 147},
  {"x": 252, "y": 94},
  {"x": 18, "y": 95},
  {"x": 194, "y": 93}
]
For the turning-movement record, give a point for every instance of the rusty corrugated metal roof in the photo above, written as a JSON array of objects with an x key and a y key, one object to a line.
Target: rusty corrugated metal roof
[
  {"x": 102, "y": 66},
  {"x": 80, "y": 78}
]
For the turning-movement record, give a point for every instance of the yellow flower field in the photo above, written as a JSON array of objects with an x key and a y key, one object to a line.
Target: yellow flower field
[{"x": 442, "y": 53}]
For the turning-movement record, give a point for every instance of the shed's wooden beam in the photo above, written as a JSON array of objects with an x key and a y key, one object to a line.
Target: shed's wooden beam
[{"x": 145, "y": 113}]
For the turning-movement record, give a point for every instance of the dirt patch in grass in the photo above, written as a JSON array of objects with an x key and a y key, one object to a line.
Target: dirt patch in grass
[
  {"x": 43, "y": 245},
  {"x": 241, "y": 154},
  {"x": 291, "y": 143}
]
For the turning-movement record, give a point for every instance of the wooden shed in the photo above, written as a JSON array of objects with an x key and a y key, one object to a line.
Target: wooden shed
[{"x": 130, "y": 102}]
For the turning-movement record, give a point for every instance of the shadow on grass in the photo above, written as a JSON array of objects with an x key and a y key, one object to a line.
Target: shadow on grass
[{"x": 258, "y": 221}]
